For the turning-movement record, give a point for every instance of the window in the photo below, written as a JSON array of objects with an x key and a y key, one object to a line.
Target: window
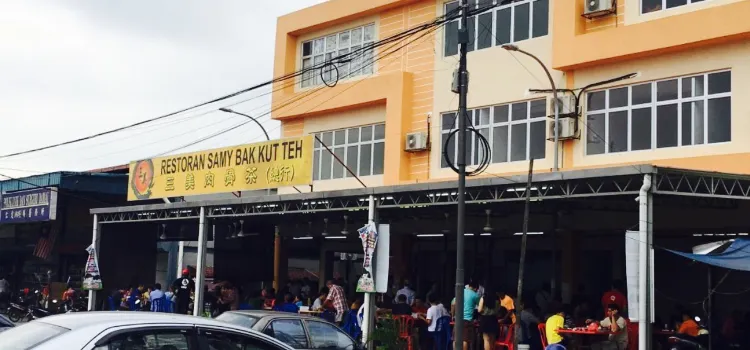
[
  {"x": 289, "y": 332},
  {"x": 246, "y": 321},
  {"x": 516, "y": 21},
  {"x": 658, "y": 5},
  {"x": 173, "y": 339},
  {"x": 218, "y": 340},
  {"x": 685, "y": 111},
  {"x": 362, "y": 149},
  {"x": 514, "y": 131},
  {"x": 29, "y": 335},
  {"x": 317, "y": 52},
  {"x": 326, "y": 336}
]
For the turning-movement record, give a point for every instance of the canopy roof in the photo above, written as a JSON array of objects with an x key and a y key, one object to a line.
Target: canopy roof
[{"x": 736, "y": 256}]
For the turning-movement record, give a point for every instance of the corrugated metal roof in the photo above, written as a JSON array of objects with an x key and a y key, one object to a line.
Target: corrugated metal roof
[{"x": 87, "y": 182}]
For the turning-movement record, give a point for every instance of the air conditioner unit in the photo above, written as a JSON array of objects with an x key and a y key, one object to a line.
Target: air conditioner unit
[
  {"x": 568, "y": 129},
  {"x": 596, "y": 8},
  {"x": 416, "y": 141},
  {"x": 565, "y": 104}
]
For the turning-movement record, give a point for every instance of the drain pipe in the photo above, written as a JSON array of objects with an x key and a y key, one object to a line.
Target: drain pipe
[{"x": 643, "y": 252}]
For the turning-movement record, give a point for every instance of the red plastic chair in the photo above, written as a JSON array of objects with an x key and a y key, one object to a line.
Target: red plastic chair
[
  {"x": 507, "y": 340},
  {"x": 405, "y": 324},
  {"x": 632, "y": 334},
  {"x": 542, "y": 327}
]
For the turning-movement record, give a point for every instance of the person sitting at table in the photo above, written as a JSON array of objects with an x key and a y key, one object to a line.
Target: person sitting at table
[
  {"x": 401, "y": 307},
  {"x": 488, "y": 314},
  {"x": 555, "y": 323},
  {"x": 419, "y": 306},
  {"x": 288, "y": 305},
  {"x": 318, "y": 303},
  {"x": 507, "y": 302},
  {"x": 617, "y": 326},
  {"x": 688, "y": 325}
]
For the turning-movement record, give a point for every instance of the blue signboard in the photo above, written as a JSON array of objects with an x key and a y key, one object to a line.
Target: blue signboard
[{"x": 28, "y": 206}]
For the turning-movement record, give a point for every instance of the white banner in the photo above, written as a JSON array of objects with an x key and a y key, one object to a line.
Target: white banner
[{"x": 92, "y": 279}]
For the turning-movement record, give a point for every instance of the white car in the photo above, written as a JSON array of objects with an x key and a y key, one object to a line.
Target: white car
[{"x": 133, "y": 331}]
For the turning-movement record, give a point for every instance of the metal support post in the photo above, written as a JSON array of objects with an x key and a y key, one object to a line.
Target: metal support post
[
  {"x": 368, "y": 318},
  {"x": 200, "y": 269},
  {"x": 95, "y": 238},
  {"x": 180, "y": 258},
  {"x": 643, "y": 262}
]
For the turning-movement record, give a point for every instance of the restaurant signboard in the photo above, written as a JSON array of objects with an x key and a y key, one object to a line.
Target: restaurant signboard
[{"x": 28, "y": 206}]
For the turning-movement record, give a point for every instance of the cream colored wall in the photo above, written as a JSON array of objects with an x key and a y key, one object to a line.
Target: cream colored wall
[
  {"x": 342, "y": 120},
  {"x": 633, "y": 10},
  {"x": 495, "y": 77},
  {"x": 331, "y": 30},
  {"x": 732, "y": 56}
]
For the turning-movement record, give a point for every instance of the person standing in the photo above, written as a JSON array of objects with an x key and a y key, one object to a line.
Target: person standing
[
  {"x": 408, "y": 292},
  {"x": 488, "y": 306},
  {"x": 471, "y": 301},
  {"x": 183, "y": 286},
  {"x": 336, "y": 299}
]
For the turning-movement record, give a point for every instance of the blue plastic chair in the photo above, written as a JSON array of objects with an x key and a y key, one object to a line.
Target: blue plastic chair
[
  {"x": 111, "y": 304},
  {"x": 351, "y": 325},
  {"x": 160, "y": 304},
  {"x": 328, "y": 316},
  {"x": 555, "y": 347},
  {"x": 442, "y": 334}
]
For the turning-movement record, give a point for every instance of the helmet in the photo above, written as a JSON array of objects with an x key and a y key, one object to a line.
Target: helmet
[{"x": 185, "y": 272}]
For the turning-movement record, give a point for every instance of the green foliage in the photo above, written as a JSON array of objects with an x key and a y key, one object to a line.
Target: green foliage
[{"x": 386, "y": 336}]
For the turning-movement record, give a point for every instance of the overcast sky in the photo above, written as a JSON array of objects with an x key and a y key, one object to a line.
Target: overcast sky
[{"x": 73, "y": 68}]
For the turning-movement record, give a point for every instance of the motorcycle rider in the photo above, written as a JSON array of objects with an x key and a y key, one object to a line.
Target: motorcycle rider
[{"x": 183, "y": 286}]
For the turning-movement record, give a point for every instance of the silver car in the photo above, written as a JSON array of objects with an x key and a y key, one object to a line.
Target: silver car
[{"x": 134, "y": 331}]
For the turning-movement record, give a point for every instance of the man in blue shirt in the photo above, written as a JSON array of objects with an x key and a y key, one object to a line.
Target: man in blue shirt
[
  {"x": 157, "y": 294},
  {"x": 471, "y": 301}
]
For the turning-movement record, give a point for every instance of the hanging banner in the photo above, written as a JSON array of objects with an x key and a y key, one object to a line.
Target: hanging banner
[
  {"x": 271, "y": 164},
  {"x": 92, "y": 280},
  {"x": 369, "y": 236},
  {"x": 28, "y": 206}
]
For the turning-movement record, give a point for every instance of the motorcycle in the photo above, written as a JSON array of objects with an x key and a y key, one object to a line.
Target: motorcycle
[
  {"x": 686, "y": 342},
  {"x": 27, "y": 308}
]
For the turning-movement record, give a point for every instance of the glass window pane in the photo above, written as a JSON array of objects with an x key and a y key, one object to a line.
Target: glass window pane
[
  {"x": 331, "y": 43},
  {"x": 290, "y": 332},
  {"x": 366, "y": 133},
  {"x": 675, "y": 3},
  {"x": 666, "y": 90},
  {"x": 538, "y": 108},
  {"x": 451, "y": 39},
  {"x": 471, "y": 27},
  {"x": 343, "y": 66},
  {"x": 318, "y": 46},
  {"x": 338, "y": 169},
  {"x": 540, "y": 23},
  {"x": 307, "y": 48},
  {"x": 339, "y": 137},
  {"x": 367, "y": 62},
  {"x": 344, "y": 41},
  {"x": 595, "y": 134},
  {"x": 538, "y": 142},
  {"x": 451, "y": 7},
  {"x": 650, "y": 6},
  {"x": 618, "y": 97},
  {"x": 365, "y": 158},
  {"x": 641, "y": 94},
  {"x": 357, "y": 36},
  {"x": 378, "y": 157},
  {"x": 351, "y": 159},
  {"x": 317, "y": 140},
  {"x": 379, "y": 132},
  {"x": 595, "y": 100},
  {"x": 719, "y": 119},
  {"x": 485, "y": 31},
  {"x": 443, "y": 161},
  {"x": 316, "y": 165},
  {"x": 640, "y": 135},
  {"x": 697, "y": 113},
  {"x": 479, "y": 152},
  {"x": 356, "y": 63},
  {"x": 325, "y": 336},
  {"x": 500, "y": 144},
  {"x": 307, "y": 75},
  {"x": 484, "y": 116},
  {"x": 502, "y": 26},
  {"x": 369, "y": 34},
  {"x": 518, "y": 111},
  {"x": 686, "y": 124},
  {"x": 518, "y": 142},
  {"x": 328, "y": 138},
  {"x": 700, "y": 86},
  {"x": 521, "y": 22},
  {"x": 618, "y": 131},
  {"x": 500, "y": 114},
  {"x": 326, "y": 160},
  {"x": 449, "y": 121},
  {"x": 719, "y": 82},
  {"x": 353, "y": 135},
  {"x": 687, "y": 87},
  {"x": 317, "y": 62},
  {"x": 666, "y": 126}
]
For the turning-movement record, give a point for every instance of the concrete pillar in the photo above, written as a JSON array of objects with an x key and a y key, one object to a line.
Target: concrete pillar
[
  {"x": 280, "y": 261},
  {"x": 200, "y": 270},
  {"x": 95, "y": 242}
]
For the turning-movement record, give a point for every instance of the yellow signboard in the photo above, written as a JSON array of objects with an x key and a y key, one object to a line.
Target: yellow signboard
[{"x": 271, "y": 164}]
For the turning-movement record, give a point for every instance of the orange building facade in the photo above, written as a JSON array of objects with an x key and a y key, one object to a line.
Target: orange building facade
[{"x": 680, "y": 109}]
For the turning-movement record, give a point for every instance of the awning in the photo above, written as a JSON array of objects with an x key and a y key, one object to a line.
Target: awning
[{"x": 736, "y": 256}]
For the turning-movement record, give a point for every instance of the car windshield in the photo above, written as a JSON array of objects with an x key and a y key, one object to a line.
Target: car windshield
[
  {"x": 237, "y": 319},
  {"x": 29, "y": 335}
]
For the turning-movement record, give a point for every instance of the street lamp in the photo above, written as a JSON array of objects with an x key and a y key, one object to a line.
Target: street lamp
[
  {"x": 227, "y": 110},
  {"x": 511, "y": 47}
]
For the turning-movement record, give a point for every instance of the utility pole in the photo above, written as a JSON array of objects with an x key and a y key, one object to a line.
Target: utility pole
[
  {"x": 522, "y": 261},
  {"x": 463, "y": 74}
]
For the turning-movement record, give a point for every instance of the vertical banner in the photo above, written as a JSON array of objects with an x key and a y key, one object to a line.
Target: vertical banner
[
  {"x": 369, "y": 237},
  {"x": 383, "y": 258},
  {"x": 92, "y": 280}
]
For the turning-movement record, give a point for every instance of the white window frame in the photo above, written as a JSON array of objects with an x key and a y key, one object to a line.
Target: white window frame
[
  {"x": 512, "y": 6},
  {"x": 318, "y": 146},
  {"x": 664, "y": 5},
  {"x": 472, "y": 152},
  {"x": 364, "y": 60},
  {"x": 653, "y": 106}
]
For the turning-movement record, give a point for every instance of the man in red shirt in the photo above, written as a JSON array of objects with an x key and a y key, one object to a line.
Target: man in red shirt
[{"x": 616, "y": 297}]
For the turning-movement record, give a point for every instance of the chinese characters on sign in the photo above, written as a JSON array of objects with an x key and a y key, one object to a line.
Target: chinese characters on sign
[
  {"x": 28, "y": 206},
  {"x": 369, "y": 236},
  {"x": 272, "y": 164}
]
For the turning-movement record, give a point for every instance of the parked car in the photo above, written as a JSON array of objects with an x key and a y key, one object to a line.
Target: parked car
[
  {"x": 134, "y": 330},
  {"x": 296, "y": 330},
  {"x": 5, "y": 323}
]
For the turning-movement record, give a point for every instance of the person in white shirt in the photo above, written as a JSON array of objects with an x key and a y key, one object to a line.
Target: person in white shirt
[
  {"x": 318, "y": 303},
  {"x": 408, "y": 292},
  {"x": 434, "y": 313}
]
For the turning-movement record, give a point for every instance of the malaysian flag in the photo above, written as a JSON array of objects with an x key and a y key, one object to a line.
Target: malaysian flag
[{"x": 45, "y": 244}]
